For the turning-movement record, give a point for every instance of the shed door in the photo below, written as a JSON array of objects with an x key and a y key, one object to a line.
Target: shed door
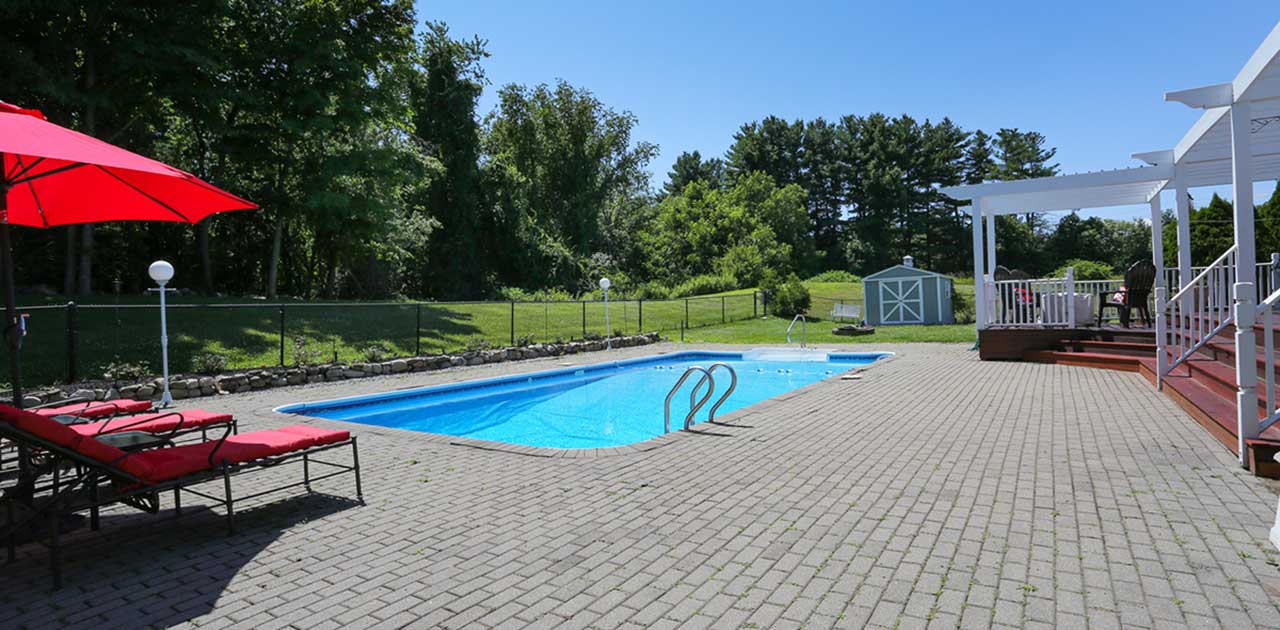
[{"x": 901, "y": 301}]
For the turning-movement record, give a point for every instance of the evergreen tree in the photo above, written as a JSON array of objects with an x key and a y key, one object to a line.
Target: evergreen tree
[{"x": 690, "y": 167}]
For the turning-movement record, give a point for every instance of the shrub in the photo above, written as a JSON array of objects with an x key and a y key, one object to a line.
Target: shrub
[
  {"x": 835, "y": 275},
  {"x": 119, "y": 370},
  {"x": 477, "y": 343},
  {"x": 208, "y": 363},
  {"x": 376, "y": 353},
  {"x": 525, "y": 340},
  {"x": 961, "y": 306},
  {"x": 1086, "y": 270},
  {"x": 302, "y": 354},
  {"x": 704, "y": 284},
  {"x": 516, "y": 294},
  {"x": 788, "y": 297}
]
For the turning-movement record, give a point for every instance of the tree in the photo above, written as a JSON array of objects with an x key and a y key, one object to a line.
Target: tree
[
  {"x": 690, "y": 167},
  {"x": 443, "y": 98},
  {"x": 772, "y": 146},
  {"x": 559, "y": 157}
]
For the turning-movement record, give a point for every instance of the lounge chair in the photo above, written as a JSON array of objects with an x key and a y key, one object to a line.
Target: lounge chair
[
  {"x": 1138, "y": 282},
  {"x": 175, "y": 422},
  {"x": 96, "y": 409},
  {"x": 88, "y": 474}
]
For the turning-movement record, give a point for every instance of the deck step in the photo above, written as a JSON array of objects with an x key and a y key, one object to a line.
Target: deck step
[
  {"x": 1103, "y": 360},
  {"x": 1124, "y": 348}
]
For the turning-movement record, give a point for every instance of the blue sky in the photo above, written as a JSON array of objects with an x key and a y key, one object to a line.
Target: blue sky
[{"x": 1090, "y": 75}]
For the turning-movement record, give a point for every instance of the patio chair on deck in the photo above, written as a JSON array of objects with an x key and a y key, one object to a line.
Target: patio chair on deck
[
  {"x": 1138, "y": 282},
  {"x": 1015, "y": 298},
  {"x": 88, "y": 474}
]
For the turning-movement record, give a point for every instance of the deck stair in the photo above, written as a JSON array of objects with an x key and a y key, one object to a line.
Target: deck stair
[{"x": 1204, "y": 385}]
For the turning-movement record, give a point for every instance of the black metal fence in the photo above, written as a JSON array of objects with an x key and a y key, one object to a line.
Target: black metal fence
[{"x": 70, "y": 342}]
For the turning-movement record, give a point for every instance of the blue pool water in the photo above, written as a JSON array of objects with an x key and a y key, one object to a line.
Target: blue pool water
[{"x": 590, "y": 406}]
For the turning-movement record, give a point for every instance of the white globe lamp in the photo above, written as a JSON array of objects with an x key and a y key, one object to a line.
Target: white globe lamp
[
  {"x": 162, "y": 272},
  {"x": 608, "y": 333}
]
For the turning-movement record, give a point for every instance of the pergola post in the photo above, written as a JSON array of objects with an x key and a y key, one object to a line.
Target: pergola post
[
  {"x": 979, "y": 280},
  {"x": 1182, "y": 203},
  {"x": 991, "y": 244},
  {"x": 1157, "y": 239},
  {"x": 1246, "y": 259},
  {"x": 1157, "y": 256}
]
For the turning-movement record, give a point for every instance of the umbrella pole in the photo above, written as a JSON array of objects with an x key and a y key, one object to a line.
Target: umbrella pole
[{"x": 12, "y": 327}]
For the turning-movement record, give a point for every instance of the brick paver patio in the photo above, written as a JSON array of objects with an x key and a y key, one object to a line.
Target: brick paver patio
[{"x": 937, "y": 491}]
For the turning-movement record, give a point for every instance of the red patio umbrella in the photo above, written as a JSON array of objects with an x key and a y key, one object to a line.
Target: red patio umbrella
[{"x": 51, "y": 175}]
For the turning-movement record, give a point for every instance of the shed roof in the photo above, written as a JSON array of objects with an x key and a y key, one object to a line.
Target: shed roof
[{"x": 923, "y": 272}]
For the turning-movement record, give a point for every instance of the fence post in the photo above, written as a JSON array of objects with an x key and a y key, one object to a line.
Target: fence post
[
  {"x": 755, "y": 312},
  {"x": 1071, "y": 299},
  {"x": 722, "y": 316},
  {"x": 1162, "y": 356},
  {"x": 640, "y": 314},
  {"x": 1275, "y": 273},
  {"x": 417, "y": 330},
  {"x": 513, "y": 323},
  {"x": 281, "y": 335},
  {"x": 72, "y": 332},
  {"x": 686, "y": 317},
  {"x": 584, "y": 319}
]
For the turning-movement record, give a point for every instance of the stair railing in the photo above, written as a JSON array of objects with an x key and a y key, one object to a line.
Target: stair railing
[
  {"x": 1267, "y": 310},
  {"x": 1195, "y": 314}
]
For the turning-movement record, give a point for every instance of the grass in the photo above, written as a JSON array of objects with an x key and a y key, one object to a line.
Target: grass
[
  {"x": 774, "y": 330},
  {"x": 248, "y": 334}
]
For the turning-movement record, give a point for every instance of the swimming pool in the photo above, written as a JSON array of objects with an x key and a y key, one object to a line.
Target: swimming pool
[{"x": 590, "y": 406}]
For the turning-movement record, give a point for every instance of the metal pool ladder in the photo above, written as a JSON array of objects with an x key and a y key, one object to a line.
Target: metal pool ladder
[
  {"x": 804, "y": 329},
  {"x": 694, "y": 402}
]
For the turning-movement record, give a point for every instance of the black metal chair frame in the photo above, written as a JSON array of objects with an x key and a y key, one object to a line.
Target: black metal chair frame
[
  {"x": 1135, "y": 298},
  {"x": 171, "y": 435},
  {"x": 95, "y": 485}
]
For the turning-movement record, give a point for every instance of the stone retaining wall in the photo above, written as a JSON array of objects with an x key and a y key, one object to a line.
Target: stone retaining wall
[{"x": 192, "y": 386}]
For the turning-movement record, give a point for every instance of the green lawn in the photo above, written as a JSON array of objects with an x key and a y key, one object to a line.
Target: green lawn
[
  {"x": 773, "y": 330},
  {"x": 248, "y": 334}
]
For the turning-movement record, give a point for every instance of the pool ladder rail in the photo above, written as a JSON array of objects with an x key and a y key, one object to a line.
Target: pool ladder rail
[
  {"x": 695, "y": 403},
  {"x": 804, "y": 330}
]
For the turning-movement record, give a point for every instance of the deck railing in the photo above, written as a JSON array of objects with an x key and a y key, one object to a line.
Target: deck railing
[
  {"x": 1267, "y": 276},
  {"x": 1032, "y": 302}
]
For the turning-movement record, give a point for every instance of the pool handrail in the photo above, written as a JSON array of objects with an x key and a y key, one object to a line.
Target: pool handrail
[
  {"x": 804, "y": 329},
  {"x": 694, "y": 408},
  {"x": 733, "y": 384}
]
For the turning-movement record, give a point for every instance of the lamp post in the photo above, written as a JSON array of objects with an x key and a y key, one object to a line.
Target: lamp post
[
  {"x": 162, "y": 273},
  {"x": 608, "y": 336}
]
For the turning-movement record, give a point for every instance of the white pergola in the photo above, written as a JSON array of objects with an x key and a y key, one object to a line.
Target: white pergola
[{"x": 1235, "y": 142}]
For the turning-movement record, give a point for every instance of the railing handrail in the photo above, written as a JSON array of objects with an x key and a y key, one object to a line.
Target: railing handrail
[
  {"x": 1195, "y": 324},
  {"x": 1202, "y": 274}
]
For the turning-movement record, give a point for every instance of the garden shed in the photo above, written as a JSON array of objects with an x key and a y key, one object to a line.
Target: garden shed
[{"x": 906, "y": 294}]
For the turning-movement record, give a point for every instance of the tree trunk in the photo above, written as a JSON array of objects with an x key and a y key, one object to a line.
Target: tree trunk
[
  {"x": 206, "y": 265},
  {"x": 331, "y": 275},
  {"x": 69, "y": 262},
  {"x": 273, "y": 263}
]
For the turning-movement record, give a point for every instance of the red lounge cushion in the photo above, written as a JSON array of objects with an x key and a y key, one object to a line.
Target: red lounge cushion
[
  {"x": 98, "y": 409},
  {"x": 57, "y": 433},
  {"x": 318, "y": 436},
  {"x": 159, "y": 422},
  {"x": 179, "y": 461}
]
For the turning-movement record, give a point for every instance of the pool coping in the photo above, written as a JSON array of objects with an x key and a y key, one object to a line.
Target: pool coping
[{"x": 549, "y": 452}]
